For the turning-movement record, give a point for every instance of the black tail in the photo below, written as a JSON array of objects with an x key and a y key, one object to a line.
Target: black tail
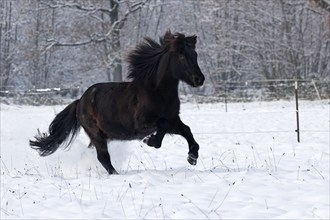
[{"x": 64, "y": 125}]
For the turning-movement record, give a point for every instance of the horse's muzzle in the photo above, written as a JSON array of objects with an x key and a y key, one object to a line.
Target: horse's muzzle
[{"x": 198, "y": 80}]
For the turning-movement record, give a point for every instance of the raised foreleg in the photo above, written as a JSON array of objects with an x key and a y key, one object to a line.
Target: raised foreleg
[
  {"x": 155, "y": 140},
  {"x": 174, "y": 126},
  {"x": 178, "y": 127}
]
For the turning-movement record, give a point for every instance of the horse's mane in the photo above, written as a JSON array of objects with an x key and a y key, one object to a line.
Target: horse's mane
[{"x": 144, "y": 59}]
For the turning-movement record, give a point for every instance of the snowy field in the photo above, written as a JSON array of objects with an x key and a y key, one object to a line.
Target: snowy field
[{"x": 250, "y": 167}]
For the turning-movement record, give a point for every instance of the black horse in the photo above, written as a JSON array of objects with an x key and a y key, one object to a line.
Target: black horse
[{"x": 147, "y": 107}]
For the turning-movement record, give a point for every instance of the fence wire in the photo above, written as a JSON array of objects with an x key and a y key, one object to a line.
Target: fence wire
[
  {"x": 222, "y": 91},
  {"x": 226, "y": 92},
  {"x": 262, "y": 90}
]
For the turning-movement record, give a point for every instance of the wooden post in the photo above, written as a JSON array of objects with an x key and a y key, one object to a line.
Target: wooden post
[
  {"x": 226, "y": 95},
  {"x": 297, "y": 109},
  {"x": 317, "y": 91}
]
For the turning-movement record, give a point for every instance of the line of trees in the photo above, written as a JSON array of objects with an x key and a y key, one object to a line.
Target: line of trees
[{"x": 65, "y": 43}]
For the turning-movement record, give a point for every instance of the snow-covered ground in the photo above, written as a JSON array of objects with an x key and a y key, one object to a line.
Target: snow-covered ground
[{"x": 250, "y": 167}]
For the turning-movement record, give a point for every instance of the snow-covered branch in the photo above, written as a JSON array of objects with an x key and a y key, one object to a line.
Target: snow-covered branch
[{"x": 91, "y": 8}]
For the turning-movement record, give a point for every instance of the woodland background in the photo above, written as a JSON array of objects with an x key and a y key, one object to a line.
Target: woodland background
[{"x": 76, "y": 43}]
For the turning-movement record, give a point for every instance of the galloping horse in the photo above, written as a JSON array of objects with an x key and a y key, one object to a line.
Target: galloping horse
[{"x": 146, "y": 107}]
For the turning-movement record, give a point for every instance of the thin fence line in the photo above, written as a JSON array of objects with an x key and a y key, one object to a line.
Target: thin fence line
[
  {"x": 260, "y": 132},
  {"x": 249, "y": 111},
  {"x": 274, "y": 80},
  {"x": 221, "y": 113}
]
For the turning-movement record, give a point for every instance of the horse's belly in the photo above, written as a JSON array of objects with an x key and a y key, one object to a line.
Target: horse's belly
[
  {"x": 143, "y": 132},
  {"x": 120, "y": 132}
]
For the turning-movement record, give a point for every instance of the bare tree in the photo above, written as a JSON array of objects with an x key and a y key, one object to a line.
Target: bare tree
[
  {"x": 110, "y": 20},
  {"x": 48, "y": 43},
  {"x": 266, "y": 39},
  {"x": 6, "y": 32}
]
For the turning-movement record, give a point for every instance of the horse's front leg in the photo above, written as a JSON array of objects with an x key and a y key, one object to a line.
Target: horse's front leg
[
  {"x": 184, "y": 130},
  {"x": 175, "y": 126},
  {"x": 155, "y": 140}
]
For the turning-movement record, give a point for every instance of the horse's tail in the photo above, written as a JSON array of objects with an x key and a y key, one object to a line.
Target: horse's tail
[{"x": 64, "y": 125}]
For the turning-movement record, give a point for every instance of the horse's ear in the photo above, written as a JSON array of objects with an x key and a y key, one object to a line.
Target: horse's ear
[
  {"x": 191, "y": 41},
  {"x": 168, "y": 37},
  {"x": 175, "y": 41}
]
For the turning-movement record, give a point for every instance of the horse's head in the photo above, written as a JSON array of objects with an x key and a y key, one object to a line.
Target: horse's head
[{"x": 183, "y": 62}]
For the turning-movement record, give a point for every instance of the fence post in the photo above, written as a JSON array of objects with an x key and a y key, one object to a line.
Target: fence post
[
  {"x": 317, "y": 91},
  {"x": 297, "y": 109},
  {"x": 226, "y": 95}
]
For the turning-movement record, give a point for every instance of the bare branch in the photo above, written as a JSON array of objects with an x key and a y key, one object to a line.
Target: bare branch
[
  {"x": 91, "y": 9},
  {"x": 117, "y": 25},
  {"x": 53, "y": 43}
]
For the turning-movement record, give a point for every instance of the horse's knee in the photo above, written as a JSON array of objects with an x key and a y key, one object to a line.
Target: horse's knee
[
  {"x": 185, "y": 129},
  {"x": 153, "y": 141}
]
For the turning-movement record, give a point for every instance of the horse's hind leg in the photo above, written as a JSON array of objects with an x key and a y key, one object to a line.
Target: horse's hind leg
[
  {"x": 103, "y": 155},
  {"x": 101, "y": 146}
]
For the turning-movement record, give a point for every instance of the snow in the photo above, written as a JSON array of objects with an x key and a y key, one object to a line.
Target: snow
[{"x": 250, "y": 167}]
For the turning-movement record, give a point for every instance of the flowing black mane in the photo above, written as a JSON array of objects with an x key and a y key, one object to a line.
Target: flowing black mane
[{"x": 144, "y": 59}]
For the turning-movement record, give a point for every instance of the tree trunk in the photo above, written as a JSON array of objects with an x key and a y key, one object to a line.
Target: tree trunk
[
  {"x": 115, "y": 44},
  {"x": 5, "y": 59}
]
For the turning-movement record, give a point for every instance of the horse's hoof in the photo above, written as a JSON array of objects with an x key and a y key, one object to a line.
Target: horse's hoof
[
  {"x": 192, "y": 159},
  {"x": 150, "y": 141},
  {"x": 113, "y": 172},
  {"x": 145, "y": 140}
]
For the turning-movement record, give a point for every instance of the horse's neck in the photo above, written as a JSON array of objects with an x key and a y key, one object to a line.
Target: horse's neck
[
  {"x": 168, "y": 89},
  {"x": 164, "y": 80},
  {"x": 162, "y": 83}
]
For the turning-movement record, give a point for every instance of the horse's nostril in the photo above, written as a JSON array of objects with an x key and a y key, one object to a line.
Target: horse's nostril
[{"x": 198, "y": 81}]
